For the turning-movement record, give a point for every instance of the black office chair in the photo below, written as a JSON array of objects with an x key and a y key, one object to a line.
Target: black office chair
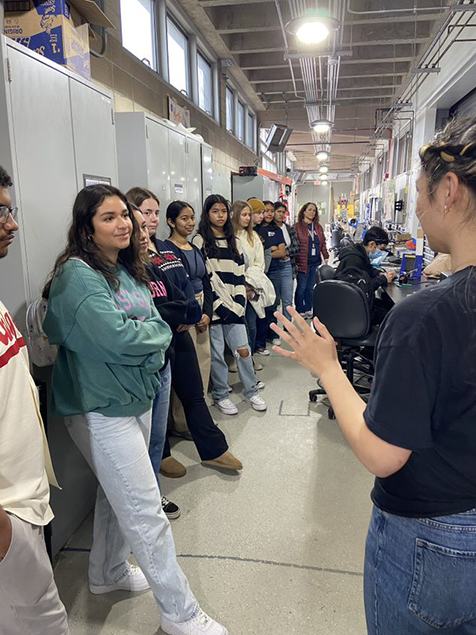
[
  {"x": 325, "y": 272},
  {"x": 344, "y": 310}
]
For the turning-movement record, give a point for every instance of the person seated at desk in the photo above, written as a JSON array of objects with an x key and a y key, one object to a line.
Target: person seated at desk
[{"x": 356, "y": 258}]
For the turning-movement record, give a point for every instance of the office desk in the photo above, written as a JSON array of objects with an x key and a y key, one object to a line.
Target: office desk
[{"x": 397, "y": 294}]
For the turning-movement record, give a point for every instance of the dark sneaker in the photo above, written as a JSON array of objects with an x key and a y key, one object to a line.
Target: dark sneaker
[{"x": 172, "y": 511}]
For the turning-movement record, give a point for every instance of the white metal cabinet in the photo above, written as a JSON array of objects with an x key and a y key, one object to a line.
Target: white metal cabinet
[
  {"x": 93, "y": 132},
  {"x": 54, "y": 128},
  {"x": 207, "y": 171},
  {"x": 153, "y": 154},
  {"x": 157, "y": 161},
  {"x": 46, "y": 181},
  {"x": 177, "y": 166},
  {"x": 194, "y": 176}
]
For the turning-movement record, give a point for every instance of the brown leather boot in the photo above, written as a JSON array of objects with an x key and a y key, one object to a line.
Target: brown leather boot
[
  {"x": 226, "y": 462},
  {"x": 172, "y": 468}
]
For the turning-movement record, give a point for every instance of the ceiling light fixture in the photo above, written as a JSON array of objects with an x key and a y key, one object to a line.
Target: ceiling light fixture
[
  {"x": 323, "y": 169},
  {"x": 323, "y": 177},
  {"x": 321, "y": 126},
  {"x": 322, "y": 155},
  {"x": 312, "y": 29}
]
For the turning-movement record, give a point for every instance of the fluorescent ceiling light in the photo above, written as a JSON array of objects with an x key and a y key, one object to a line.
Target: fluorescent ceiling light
[
  {"x": 312, "y": 29},
  {"x": 322, "y": 155},
  {"x": 321, "y": 126},
  {"x": 323, "y": 169}
]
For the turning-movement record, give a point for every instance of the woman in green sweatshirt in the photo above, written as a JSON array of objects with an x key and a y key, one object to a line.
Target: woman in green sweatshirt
[{"x": 111, "y": 346}]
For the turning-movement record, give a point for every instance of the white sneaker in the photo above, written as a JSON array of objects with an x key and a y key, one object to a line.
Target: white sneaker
[
  {"x": 263, "y": 351},
  {"x": 198, "y": 625},
  {"x": 260, "y": 385},
  {"x": 131, "y": 580},
  {"x": 276, "y": 341},
  {"x": 226, "y": 406},
  {"x": 257, "y": 403}
]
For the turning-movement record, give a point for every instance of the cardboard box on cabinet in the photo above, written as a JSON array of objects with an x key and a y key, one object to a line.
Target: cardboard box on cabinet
[{"x": 57, "y": 29}]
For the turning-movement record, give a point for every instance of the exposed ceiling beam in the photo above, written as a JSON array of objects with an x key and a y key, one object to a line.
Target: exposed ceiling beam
[
  {"x": 264, "y": 61},
  {"x": 242, "y": 44},
  {"x": 230, "y": 21},
  {"x": 218, "y": 3},
  {"x": 339, "y": 89}
]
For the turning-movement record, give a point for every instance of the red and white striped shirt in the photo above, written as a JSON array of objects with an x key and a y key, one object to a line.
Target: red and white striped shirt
[{"x": 25, "y": 464}]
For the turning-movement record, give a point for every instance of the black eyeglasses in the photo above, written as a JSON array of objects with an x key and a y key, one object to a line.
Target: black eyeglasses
[{"x": 5, "y": 212}]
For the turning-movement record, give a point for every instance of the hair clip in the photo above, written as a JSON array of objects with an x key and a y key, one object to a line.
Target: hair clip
[{"x": 470, "y": 146}]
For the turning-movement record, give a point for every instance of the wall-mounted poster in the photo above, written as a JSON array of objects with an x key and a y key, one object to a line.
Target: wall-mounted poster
[{"x": 179, "y": 114}]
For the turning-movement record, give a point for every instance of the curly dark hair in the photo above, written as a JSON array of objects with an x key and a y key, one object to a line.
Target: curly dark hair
[
  {"x": 5, "y": 178},
  {"x": 205, "y": 230},
  {"x": 304, "y": 208},
  {"x": 80, "y": 245}
]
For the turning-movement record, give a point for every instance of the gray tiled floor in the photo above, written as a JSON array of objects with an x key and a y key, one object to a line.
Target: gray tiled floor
[{"x": 277, "y": 550}]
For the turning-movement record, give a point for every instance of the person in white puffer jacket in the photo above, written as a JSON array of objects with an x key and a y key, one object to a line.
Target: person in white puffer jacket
[{"x": 260, "y": 290}]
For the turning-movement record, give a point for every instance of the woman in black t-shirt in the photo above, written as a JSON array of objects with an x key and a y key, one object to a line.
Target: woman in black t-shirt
[{"x": 417, "y": 434}]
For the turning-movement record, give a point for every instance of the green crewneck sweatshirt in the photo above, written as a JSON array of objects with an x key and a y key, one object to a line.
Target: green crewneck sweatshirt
[{"x": 111, "y": 344}]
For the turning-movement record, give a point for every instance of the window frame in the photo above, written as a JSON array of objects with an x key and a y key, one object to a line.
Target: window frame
[
  {"x": 201, "y": 55},
  {"x": 188, "y": 80},
  {"x": 240, "y": 118},
  {"x": 154, "y": 62},
  {"x": 230, "y": 113}
]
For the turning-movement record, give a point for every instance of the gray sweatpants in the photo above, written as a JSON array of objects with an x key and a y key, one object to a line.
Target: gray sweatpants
[{"x": 29, "y": 600}]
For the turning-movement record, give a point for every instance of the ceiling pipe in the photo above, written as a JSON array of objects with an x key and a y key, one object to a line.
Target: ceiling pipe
[
  {"x": 386, "y": 11},
  {"x": 283, "y": 30},
  {"x": 409, "y": 90}
]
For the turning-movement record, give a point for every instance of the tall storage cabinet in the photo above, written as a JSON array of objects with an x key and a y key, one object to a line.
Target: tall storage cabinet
[
  {"x": 56, "y": 132},
  {"x": 154, "y": 155}
]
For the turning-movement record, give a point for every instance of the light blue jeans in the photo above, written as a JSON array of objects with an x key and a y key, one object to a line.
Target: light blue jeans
[
  {"x": 160, "y": 414},
  {"x": 235, "y": 336},
  {"x": 420, "y": 575},
  {"x": 129, "y": 511},
  {"x": 283, "y": 282}
]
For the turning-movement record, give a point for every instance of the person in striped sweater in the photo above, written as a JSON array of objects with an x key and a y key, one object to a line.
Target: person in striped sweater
[{"x": 226, "y": 267}]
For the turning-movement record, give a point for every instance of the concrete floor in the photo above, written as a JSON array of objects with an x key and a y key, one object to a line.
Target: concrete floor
[{"x": 277, "y": 550}]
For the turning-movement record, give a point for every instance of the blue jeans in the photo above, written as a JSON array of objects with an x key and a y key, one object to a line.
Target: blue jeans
[
  {"x": 235, "y": 336},
  {"x": 305, "y": 287},
  {"x": 160, "y": 415},
  {"x": 283, "y": 282},
  {"x": 129, "y": 510},
  {"x": 420, "y": 575},
  {"x": 251, "y": 320}
]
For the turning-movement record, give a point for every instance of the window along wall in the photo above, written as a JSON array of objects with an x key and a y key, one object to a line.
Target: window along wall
[
  {"x": 240, "y": 120},
  {"x": 138, "y": 30},
  {"x": 178, "y": 56},
  {"x": 183, "y": 62}
]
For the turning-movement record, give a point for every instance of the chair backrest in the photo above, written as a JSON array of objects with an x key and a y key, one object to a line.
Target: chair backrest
[
  {"x": 336, "y": 236},
  {"x": 324, "y": 272},
  {"x": 343, "y": 308}
]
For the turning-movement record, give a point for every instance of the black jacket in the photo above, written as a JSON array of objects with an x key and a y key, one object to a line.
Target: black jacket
[
  {"x": 207, "y": 287},
  {"x": 355, "y": 257}
]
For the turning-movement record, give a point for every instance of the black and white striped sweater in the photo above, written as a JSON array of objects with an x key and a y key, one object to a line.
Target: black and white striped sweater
[{"x": 227, "y": 277}]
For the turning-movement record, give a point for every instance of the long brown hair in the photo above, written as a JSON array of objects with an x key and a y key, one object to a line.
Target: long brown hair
[
  {"x": 80, "y": 244},
  {"x": 304, "y": 208},
  {"x": 236, "y": 209}
]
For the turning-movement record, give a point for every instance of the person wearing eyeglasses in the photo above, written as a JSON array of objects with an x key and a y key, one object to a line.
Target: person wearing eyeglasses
[{"x": 29, "y": 600}]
